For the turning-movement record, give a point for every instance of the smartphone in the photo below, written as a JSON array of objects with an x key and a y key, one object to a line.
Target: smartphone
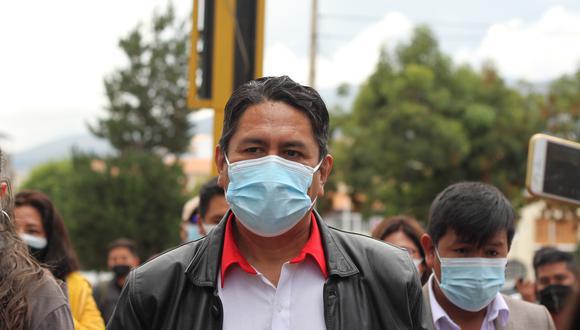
[{"x": 554, "y": 168}]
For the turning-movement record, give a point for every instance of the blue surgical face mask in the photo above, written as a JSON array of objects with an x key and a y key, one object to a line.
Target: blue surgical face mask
[
  {"x": 417, "y": 263},
  {"x": 269, "y": 195},
  {"x": 471, "y": 283},
  {"x": 192, "y": 232}
]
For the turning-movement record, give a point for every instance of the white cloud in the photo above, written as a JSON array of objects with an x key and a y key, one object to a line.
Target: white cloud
[
  {"x": 54, "y": 57},
  {"x": 352, "y": 63},
  {"x": 280, "y": 60},
  {"x": 538, "y": 51}
]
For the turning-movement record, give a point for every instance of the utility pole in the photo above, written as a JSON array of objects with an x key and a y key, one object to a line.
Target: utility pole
[{"x": 313, "y": 43}]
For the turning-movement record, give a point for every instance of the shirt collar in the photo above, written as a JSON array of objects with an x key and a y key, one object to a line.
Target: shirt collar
[
  {"x": 313, "y": 248},
  {"x": 497, "y": 309},
  {"x": 231, "y": 254},
  {"x": 439, "y": 315}
]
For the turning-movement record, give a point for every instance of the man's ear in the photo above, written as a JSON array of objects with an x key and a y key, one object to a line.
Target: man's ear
[
  {"x": 429, "y": 248},
  {"x": 324, "y": 170},
  {"x": 221, "y": 165}
]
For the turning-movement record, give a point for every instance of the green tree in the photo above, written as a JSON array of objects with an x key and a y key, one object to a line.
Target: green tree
[
  {"x": 134, "y": 193},
  {"x": 561, "y": 107},
  {"x": 101, "y": 199},
  {"x": 419, "y": 123},
  {"x": 147, "y": 99}
]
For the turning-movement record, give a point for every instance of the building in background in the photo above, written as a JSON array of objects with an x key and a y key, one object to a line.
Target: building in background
[{"x": 545, "y": 224}]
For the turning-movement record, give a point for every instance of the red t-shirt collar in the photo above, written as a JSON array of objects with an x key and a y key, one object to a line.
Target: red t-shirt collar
[{"x": 231, "y": 254}]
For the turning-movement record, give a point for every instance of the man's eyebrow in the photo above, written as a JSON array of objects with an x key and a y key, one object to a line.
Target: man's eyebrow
[
  {"x": 293, "y": 143},
  {"x": 252, "y": 140}
]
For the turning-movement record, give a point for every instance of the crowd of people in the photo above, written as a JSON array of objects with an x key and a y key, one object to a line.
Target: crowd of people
[{"x": 255, "y": 253}]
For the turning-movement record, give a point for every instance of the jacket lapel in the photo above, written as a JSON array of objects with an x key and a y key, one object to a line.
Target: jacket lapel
[
  {"x": 337, "y": 260},
  {"x": 205, "y": 264},
  {"x": 427, "y": 305},
  {"x": 204, "y": 267}
]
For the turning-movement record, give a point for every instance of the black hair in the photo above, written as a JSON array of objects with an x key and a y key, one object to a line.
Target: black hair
[
  {"x": 406, "y": 224},
  {"x": 280, "y": 89},
  {"x": 206, "y": 193},
  {"x": 129, "y": 244},
  {"x": 475, "y": 211},
  {"x": 549, "y": 255}
]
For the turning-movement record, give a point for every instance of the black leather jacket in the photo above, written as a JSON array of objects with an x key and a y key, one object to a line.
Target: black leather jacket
[{"x": 371, "y": 285}]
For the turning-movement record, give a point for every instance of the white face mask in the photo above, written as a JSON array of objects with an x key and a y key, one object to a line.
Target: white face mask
[
  {"x": 35, "y": 242},
  {"x": 417, "y": 262}
]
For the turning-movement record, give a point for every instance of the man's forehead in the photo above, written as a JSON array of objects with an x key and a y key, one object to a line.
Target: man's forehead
[
  {"x": 554, "y": 267},
  {"x": 120, "y": 250},
  {"x": 273, "y": 112},
  {"x": 277, "y": 119},
  {"x": 498, "y": 238}
]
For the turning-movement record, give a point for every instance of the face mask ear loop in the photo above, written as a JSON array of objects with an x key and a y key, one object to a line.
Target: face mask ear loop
[
  {"x": 5, "y": 214},
  {"x": 440, "y": 266},
  {"x": 317, "y": 167},
  {"x": 227, "y": 160},
  {"x": 314, "y": 171}
]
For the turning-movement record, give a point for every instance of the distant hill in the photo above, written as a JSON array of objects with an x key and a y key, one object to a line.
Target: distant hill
[
  {"x": 58, "y": 149},
  {"x": 61, "y": 148}
]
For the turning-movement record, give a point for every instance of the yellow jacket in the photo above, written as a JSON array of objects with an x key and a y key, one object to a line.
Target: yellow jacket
[{"x": 86, "y": 315}]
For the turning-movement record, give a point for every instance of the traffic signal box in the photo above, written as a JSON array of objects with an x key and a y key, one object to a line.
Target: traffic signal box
[{"x": 227, "y": 42}]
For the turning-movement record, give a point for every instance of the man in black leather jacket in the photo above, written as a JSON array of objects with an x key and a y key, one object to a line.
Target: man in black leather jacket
[{"x": 273, "y": 162}]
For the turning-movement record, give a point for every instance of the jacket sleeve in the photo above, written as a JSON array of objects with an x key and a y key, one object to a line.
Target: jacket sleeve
[
  {"x": 550, "y": 321},
  {"x": 59, "y": 318},
  {"x": 86, "y": 315},
  {"x": 127, "y": 310},
  {"x": 417, "y": 306}
]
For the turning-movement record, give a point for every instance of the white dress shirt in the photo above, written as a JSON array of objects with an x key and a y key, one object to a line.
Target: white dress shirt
[{"x": 252, "y": 302}]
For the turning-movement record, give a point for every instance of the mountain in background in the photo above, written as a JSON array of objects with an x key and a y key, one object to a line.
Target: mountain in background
[
  {"x": 58, "y": 149},
  {"x": 22, "y": 162}
]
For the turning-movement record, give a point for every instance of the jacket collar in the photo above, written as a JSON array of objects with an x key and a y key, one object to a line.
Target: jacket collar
[{"x": 204, "y": 267}]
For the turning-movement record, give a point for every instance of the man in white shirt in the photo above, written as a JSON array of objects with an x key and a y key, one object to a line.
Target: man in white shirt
[
  {"x": 272, "y": 262},
  {"x": 471, "y": 226}
]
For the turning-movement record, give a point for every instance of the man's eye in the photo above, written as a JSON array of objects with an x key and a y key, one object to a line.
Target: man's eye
[
  {"x": 461, "y": 250},
  {"x": 252, "y": 150},
  {"x": 292, "y": 153},
  {"x": 492, "y": 253},
  {"x": 560, "y": 278}
]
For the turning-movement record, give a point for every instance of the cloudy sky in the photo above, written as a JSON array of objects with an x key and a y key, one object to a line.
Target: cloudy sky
[{"x": 55, "y": 53}]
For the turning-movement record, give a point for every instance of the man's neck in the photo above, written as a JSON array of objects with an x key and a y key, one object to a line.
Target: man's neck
[
  {"x": 464, "y": 319},
  {"x": 268, "y": 254}
]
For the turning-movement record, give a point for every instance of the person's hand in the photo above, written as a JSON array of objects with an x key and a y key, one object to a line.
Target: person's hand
[{"x": 527, "y": 289}]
